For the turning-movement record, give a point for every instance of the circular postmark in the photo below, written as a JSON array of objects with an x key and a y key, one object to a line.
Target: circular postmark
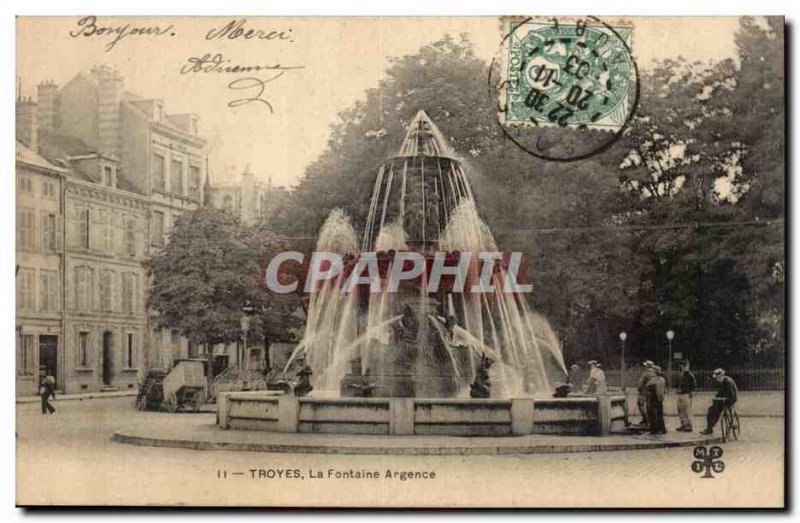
[{"x": 566, "y": 88}]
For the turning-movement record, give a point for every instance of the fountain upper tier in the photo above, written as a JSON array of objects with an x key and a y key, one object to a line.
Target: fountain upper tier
[{"x": 415, "y": 191}]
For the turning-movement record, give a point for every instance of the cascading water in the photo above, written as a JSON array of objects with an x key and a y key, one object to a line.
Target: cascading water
[{"x": 414, "y": 342}]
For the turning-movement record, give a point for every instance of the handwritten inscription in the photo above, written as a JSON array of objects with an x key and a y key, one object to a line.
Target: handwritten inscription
[
  {"x": 88, "y": 27},
  {"x": 237, "y": 29},
  {"x": 217, "y": 63},
  {"x": 254, "y": 87}
]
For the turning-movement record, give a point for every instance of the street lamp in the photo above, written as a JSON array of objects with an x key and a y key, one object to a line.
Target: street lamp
[
  {"x": 670, "y": 336},
  {"x": 622, "y": 337},
  {"x": 245, "y": 323}
]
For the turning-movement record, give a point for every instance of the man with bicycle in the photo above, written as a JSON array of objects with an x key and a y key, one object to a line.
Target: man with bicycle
[{"x": 727, "y": 393}]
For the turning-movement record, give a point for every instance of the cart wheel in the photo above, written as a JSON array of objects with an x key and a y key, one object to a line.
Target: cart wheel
[
  {"x": 171, "y": 403},
  {"x": 141, "y": 402}
]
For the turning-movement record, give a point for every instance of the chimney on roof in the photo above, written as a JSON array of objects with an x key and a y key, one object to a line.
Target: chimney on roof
[
  {"x": 46, "y": 97},
  {"x": 28, "y": 123},
  {"x": 109, "y": 97}
]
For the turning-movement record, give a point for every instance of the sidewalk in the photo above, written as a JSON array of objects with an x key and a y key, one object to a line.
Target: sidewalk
[
  {"x": 751, "y": 404},
  {"x": 81, "y": 397},
  {"x": 200, "y": 433}
]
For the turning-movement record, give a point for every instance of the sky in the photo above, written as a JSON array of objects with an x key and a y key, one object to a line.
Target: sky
[{"x": 337, "y": 59}]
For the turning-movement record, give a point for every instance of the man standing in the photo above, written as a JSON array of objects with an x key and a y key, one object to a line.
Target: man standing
[
  {"x": 727, "y": 394},
  {"x": 656, "y": 389},
  {"x": 641, "y": 401},
  {"x": 47, "y": 389},
  {"x": 686, "y": 388},
  {"x": 597, "y": 379}
]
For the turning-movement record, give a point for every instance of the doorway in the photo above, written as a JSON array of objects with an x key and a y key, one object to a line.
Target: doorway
[
  {"x": 48, "y": 355},
  {"x": 108, "y": 364}
]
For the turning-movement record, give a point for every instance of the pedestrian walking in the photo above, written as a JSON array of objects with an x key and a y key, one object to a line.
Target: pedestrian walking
[
  {"x": 655, "y": 391},
  {"x": 727, "y": 394},
  {"x": 641, "y": 385},
  {"x": 46, "y": 390},
  {"x": 686, "y": 389}
]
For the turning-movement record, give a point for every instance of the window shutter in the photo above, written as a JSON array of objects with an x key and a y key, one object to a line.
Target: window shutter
[{"x": 59, "y": 233}]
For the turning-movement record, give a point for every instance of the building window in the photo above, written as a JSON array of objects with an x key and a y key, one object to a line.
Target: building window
[
  {"x": 129, "y": 359},
  {"x": 25, "y": 184},
  {"x": 49, "y": 189},
  {"x": 27, "y": 231},
  {"x": 84, "y": 284},
  {"x": 129, "y": 293},
  {"x": 48, "y": 291},
  {"x": 106, "y": 231},
  {"x": 194, "y": 182},
  {"x": 130, "y": 235},
  {"x": 25, "y": 355},
  {"x": 83, "y": 349},
  {"x": 157, "y": 236},
  {"x": 106, "y": 289},
  {"x": 159, "y": 182},
  {"x": 108, "y": 176},
  {"x": 26, "y": 299},
  {"x": 48, "y": 232},
  {"x": 83, "y": 228},
  {"x": 176, "y": 177}
]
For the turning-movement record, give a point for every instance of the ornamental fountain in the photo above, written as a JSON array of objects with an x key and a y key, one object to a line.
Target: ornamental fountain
[
  {"x": 428, "y": 357},
  {"x": 417, "y": 342}
]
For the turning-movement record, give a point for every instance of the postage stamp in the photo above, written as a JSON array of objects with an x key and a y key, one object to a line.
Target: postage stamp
[
  {"x": 568, "y": 72},
  {"x": 565, "y": 88}
]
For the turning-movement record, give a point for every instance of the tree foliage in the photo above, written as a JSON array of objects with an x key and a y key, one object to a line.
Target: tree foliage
[
  {"x": 677, "y": 226},
  {"x": 210, "y": 275}
]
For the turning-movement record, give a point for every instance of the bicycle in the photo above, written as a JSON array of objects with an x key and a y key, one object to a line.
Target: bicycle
[{"x": 729, "y": 422}]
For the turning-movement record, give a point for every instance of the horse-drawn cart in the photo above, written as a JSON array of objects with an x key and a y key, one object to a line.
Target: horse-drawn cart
[{"x": 185, "y": 385}]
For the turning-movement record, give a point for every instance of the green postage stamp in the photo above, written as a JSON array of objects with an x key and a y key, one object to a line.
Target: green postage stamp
[{"x": 568, "y": 72}]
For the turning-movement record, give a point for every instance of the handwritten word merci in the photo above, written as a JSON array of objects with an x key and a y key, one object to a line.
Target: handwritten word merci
[
  {"x": 88, "y": 27},
  {"x": 238, "y": 29},
  {"x": 409, "y": 266}
]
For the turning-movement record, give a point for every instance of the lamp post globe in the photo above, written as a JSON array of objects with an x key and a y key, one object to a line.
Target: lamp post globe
[{"x": 670, "y": 337}]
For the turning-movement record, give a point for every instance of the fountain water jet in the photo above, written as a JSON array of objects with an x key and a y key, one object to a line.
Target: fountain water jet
[{"x": 415, "y": 343}]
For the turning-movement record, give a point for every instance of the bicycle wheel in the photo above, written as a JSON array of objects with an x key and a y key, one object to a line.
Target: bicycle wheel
[
  {"x": 735, "y": 426},
  {"x": 725, "y": 425}
]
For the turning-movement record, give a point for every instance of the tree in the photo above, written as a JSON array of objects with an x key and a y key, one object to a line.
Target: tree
[
  {"x": 673, "y": 226},
  {"x": 208, "y": 273}
]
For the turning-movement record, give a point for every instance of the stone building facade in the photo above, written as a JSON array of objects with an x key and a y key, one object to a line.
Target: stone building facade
[
  {"x": 247, "y": 197},
  {"x": 39, "y": 258},
  {"x": 124, "y": 171}
]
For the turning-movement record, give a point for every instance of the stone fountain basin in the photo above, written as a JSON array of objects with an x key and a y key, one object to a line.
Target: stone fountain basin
[{"x": 273, "y": 411}]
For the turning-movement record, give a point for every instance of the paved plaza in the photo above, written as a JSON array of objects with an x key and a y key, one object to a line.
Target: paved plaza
[{"x": 60, "y": 455}]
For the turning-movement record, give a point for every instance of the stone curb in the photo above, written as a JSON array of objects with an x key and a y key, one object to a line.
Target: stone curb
[{"x": 377, "y": 449}]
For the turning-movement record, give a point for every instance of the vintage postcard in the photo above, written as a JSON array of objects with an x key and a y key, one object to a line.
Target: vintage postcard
[{"x": 400, "y": 262}]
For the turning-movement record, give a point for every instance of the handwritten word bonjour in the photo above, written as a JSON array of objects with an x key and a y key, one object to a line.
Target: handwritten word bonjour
[{"x": 88, "y": 27}]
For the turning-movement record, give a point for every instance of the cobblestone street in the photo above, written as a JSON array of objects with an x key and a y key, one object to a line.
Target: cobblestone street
[{"x": 60, "y": 455}]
